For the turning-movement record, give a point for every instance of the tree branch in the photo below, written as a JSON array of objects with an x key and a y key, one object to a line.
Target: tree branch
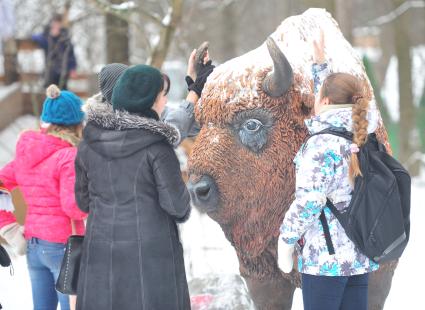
[
  {"x": 124, "y": 14},
  {"x": 82, "y": 17},
  {"x": 402, "y": 8},
  {"x": 153, "y": 17},
  {"x": 160, "y": 50},
  {"x": 108, "y": 9}
]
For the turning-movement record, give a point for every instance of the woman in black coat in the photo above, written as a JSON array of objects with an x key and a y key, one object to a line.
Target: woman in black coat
[{"x": 128, "y": 178}]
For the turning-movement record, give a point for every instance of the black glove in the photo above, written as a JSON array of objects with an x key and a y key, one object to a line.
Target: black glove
[
  {"x": 203, "y": 71},
  {"x": 189, "y": 81}
]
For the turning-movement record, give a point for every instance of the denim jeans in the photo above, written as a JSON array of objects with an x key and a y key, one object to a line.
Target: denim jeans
[
  {"x": 44, "y": 261},
  {"x": 335, "y": 293}
]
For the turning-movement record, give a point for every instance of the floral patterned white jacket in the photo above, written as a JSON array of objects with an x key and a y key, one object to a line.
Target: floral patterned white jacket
[{"x": 321, "y": 173}]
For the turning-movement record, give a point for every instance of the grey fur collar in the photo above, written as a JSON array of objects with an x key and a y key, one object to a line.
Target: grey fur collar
[{"x": 103, "y": 114}]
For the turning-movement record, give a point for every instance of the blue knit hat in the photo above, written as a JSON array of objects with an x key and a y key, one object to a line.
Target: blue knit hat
[{"x": 61, "y": 107}]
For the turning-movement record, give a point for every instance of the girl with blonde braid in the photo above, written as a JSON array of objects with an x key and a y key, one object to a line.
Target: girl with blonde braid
[{"x": 325, "y": 169}]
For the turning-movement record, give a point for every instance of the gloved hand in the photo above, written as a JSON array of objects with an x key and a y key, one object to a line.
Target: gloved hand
[
  {"x": 189, "y": 81},
  {"x": 14, "y": 235},
  {"x": 202, "y": 73},
  {"x": 285, "y": 259},
  {"x": 191, "y": 68}
]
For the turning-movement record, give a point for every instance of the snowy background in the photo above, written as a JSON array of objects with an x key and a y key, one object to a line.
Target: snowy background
[{"x": 226, "y": 23}]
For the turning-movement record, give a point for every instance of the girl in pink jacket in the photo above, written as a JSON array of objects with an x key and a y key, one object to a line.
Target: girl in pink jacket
[{"x": 43, "y": 169}]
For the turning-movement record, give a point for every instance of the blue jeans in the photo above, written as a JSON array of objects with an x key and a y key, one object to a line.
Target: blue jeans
[
  {"x": 335, "y": 293},
  {"x": 44, "y": 262}
]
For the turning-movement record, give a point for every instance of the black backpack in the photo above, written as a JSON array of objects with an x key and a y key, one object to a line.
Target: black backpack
[{"x": 377, "y": 218}]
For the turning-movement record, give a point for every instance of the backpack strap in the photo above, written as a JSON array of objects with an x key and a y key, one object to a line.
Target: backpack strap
[
  {"x": 336, "y": 131},
  {"x": 343, "y": 133},
  {"x": 326, "y": 231}
]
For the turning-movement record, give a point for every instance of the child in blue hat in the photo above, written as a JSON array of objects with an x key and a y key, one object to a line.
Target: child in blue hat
[{"x": 43, "y": 169}]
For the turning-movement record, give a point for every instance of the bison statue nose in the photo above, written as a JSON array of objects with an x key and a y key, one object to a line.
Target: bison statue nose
[{"x": 204, "y": 193}]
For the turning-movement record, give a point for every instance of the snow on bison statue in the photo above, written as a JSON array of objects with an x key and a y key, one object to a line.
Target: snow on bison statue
[{"x": 241, "y": 172}]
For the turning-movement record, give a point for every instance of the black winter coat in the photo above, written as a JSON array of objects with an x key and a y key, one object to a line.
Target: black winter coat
[{"x": 128, "y": 178}]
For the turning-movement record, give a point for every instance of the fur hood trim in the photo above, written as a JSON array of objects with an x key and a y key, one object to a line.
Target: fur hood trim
[{"x": 104, "y": 115}]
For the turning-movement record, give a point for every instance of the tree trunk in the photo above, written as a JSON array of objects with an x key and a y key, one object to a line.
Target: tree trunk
[
  {"x": 343, "y": 15},
  {"x": 229, "y": 31},
  {"x": 329, "y": 5},
  {"x": 10, "y": 52},
  {"x": 421, "y": 121},
  {"x": 160, "y": 51},
  {"x": 407, "y": 139},
  {"x": 117, "y": 31}
]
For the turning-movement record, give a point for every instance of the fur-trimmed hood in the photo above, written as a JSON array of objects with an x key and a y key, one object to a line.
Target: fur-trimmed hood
[
  {"x": 117, "y": 134},
  {"x": 103, "y": 115}
]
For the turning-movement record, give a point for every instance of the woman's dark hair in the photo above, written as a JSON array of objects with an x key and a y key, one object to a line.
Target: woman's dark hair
[
  {"x": 57, "y": 18},
  {"x": 165, "y": 80},
  {"x": 165, "y": 86},
  {"x": 343, "y": 88}
]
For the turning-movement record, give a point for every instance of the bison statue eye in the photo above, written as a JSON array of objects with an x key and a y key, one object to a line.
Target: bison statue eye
[
  {"x": 252, "y": 125},
  {"x": 252, "y": 128}
]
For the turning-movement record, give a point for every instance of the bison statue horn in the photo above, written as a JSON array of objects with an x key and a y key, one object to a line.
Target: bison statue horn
[{"x": 277, "y": 82}]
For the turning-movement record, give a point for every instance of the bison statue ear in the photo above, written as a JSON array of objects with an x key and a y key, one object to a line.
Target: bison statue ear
[{"x": 276, "y": 83}]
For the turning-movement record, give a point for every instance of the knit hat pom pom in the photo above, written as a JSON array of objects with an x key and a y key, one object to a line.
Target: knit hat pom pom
[{"x": 53, "y": 91}]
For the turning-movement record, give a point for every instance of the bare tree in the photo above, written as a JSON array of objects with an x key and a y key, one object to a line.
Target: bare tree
[
  {"x": 329, "y": 5},
  {"x": 344, "y": 17},
  {"x": 10, "y": 54},
  {"x": 168, "y": 28},
  {"x": 8, "y": 42},
  {"x": 229, "y": 22},
  {"x": 117, "y": 37},
  {"x": 164, "y": 27},
  {"x": 407, "y": 107}
]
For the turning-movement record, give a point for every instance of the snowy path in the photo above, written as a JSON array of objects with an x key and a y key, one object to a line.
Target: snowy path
[
  {"x": 408, "y": 281},
  {"x": 207, "y": 251}
]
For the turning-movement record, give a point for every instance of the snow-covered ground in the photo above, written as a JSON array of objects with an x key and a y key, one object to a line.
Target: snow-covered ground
[
  {"x": 10, "y": 135},
  {"x": 7, "y": 90},
  {"x": 208, "y": 253}
]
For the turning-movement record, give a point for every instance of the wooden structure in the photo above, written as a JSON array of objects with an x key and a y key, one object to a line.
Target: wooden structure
[{"x": 28, "y": 95}]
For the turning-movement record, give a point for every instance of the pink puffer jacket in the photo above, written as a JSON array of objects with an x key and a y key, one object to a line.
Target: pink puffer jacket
[{"x": 43, "y": 169}]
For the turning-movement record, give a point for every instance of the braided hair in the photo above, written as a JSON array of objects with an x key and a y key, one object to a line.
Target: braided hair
[{"x": 343, "y": 88}]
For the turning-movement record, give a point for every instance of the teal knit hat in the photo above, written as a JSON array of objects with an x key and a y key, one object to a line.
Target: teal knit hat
[
  {"x": 137, "y": 88},
  {"x": 61, "y": 107}
]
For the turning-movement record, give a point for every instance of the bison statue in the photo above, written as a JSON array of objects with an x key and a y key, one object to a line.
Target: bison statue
[{"x": 241, "y": 173}]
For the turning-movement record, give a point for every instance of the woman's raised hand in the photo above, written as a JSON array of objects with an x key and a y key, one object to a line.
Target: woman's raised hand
[
  {"x": 191, "y": 63},
  {"x": 319, "y": 49},
  {"x": 199, "y": 68}
]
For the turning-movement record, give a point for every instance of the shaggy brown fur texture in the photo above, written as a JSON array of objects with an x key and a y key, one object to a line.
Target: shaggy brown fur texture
[{"x": 255, "y": 189}]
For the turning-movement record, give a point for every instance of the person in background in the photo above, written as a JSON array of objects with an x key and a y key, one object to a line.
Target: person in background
[
  {"x": 60, "y": 59},
  {"x": 43, "y": 169}
]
